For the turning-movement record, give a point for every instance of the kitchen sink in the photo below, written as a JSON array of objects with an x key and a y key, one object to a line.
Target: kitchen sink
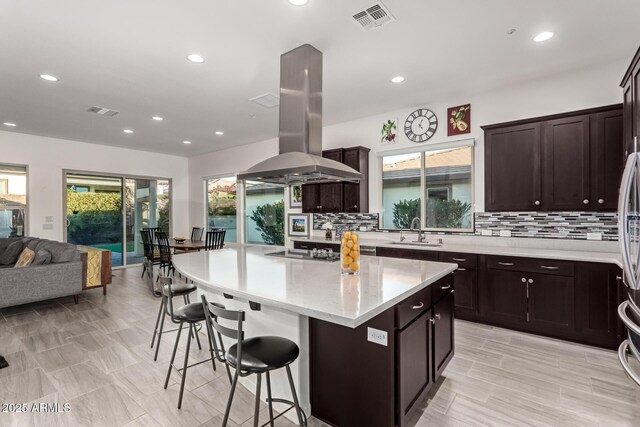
[{"x": 427, "y": 244}]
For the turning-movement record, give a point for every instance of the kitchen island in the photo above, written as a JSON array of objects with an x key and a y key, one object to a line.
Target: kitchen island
[{"x": 358, "y": 335}]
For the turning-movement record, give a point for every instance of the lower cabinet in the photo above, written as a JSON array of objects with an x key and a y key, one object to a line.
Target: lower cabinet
[
  {"x": 443, "y": 333},
  {"x": 504, "y": 296},
  {"x": 415, "y": 376},
  {"x": 392, "y": 378},
  {"x": 551, "y": 303}
]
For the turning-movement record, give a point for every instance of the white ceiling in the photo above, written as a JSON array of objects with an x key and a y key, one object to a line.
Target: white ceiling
[{"x": 130, "y": 56}]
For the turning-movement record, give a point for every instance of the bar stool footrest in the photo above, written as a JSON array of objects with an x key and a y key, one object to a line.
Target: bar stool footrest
[{"x": 291, "y": 406}]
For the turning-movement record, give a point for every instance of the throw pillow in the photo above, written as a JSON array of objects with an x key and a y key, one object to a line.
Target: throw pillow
[
  {"x": 43, "y": 256},
  {"x": 25, "y": 258},
  {"x": 11, "y": 254}
]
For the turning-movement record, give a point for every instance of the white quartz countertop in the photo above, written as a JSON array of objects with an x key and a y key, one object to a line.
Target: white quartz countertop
[
  {"x": 480, "y": 247},
  {"x": 311, "y": 288}
]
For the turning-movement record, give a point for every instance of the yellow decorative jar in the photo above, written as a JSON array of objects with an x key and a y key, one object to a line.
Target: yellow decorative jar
[{"x": 350, "y": 254}]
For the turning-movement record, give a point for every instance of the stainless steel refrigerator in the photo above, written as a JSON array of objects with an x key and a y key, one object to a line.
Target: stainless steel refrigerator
[{"x": 629, "y": 237}]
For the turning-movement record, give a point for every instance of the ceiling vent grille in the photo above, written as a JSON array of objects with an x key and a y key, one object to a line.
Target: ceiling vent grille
[
  {"x": 267, "y": 100},
  {"x": 103, "y": 111},
  {"x": 373, "y": 17}
]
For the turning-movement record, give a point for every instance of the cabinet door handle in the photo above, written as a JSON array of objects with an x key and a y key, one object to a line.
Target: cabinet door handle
[
  {"x": 530, "y": 281},
  {"x": 547, "y": 267},
  {"x": 508, "y": 264},
  {"x": 523, "y": 280},
  {"x": 601, "y": 201},
  {"x": 445, "y": 287},
  {"x": 585, "y": 201},
  {"x": 418, "y": 306},
  {"x": 618, "y": 277},
  {"x": 438, "y": 316},
  {"x": 537, "y": 203},
  {"x": 462, "y": 269},
  {"x": 304, "y": 247},
  {"x": 459, "y": 259}
]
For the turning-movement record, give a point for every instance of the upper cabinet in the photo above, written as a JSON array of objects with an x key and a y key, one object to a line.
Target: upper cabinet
[
  {"x": 339, "y": 196},
  {"x": 631, "y": 104},
  {"x": 565, "y": 162}
]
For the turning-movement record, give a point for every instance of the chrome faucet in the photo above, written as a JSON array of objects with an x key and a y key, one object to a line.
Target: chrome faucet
[{"x": 413, "y": 224}]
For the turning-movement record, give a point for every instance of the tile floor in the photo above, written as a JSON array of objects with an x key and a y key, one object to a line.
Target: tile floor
[{"x": 95, "y": 356}]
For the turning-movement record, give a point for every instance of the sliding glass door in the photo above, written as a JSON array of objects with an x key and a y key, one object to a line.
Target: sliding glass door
[
  {"x": 108, "y": 212},
  {"x": 147, "y": 206}
]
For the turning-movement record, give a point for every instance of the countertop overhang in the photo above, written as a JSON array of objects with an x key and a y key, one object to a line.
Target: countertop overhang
[{"x": 310, "y": 288}]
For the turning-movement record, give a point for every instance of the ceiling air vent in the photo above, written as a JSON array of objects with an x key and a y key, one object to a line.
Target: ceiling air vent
[
  {"x": 373, "y": 17},
  {"x": 267, "y": 100},
  {"x": 103, "y": 111}
]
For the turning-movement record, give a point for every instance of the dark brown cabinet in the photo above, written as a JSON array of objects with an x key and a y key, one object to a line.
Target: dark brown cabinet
[
  {"x": 631, "y": 104},
  {"x": 512, "y": 168},
  {"x": 565, "y": 162},
  {"x": 422, "y": 255},
  {"x": 392, "y": 378},
  {"x": 606, "y": 166},
  {"x": 550, "y": 302},
  {"x": 443, "y": 333},
  {"x": 339, "y": 196},
  {"x": 414, "y": 364},
  {"x": 597, "y": 295},
  {"x": 505, "y": 296},
  {"x": 466, "y": 280}
]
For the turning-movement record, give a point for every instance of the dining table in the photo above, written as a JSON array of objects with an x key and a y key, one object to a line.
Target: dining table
[{"x": 187, "y": 244}]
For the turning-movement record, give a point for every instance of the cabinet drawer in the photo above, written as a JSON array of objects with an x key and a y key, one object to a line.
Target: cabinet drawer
[
  {"x": 412, "y": 307},
  {"x": 442, "y": 288},
  {"x": 463, "y": 260},
  {"x": 303, "y": 245},
  {"x": 531, "y": 265}
]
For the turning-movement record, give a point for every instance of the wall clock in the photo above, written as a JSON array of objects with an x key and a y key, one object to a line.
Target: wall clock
[{"x": 420, "y": 125}]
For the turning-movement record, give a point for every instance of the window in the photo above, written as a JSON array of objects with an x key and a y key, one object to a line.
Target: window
[
  {"x": 13, "y": 200},
  {"x": 264, "y": 213},
  {"x": 222, "y": 206},
  {"x": 435, "y": 186}
]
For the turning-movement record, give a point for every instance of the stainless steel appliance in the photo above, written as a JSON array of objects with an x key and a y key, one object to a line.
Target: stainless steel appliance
[{"x": 629, "y": 237}]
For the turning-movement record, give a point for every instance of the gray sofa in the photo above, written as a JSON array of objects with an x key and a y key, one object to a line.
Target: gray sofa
[{"x": 56, "y": 271}]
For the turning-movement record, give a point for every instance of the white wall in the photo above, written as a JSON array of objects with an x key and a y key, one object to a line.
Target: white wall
[
  {"x": 593, "y": 87},
  {"x": 47, "y": 157}
]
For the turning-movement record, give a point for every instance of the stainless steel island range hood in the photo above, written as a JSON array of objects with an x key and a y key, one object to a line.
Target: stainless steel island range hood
[{"x": 300, "y": 139}]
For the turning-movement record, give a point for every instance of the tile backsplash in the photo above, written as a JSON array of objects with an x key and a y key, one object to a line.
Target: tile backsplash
[
  {"x": 555, "y": 225},
  {"x": 352, "y": 220}
]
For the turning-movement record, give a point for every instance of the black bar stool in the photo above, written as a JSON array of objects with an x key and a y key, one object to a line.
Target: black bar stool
[
  {"x": 258, "y": 355},
  {"x": 169, "y": 291},
  {"x": 192, "y": 314}
]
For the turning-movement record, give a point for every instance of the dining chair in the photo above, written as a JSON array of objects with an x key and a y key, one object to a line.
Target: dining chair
[
  {"x": 196, "y": 234},
  {"x": 214, "y": 240},
  {"x": 166, "y": 263},
  {"x": 149, "y": 249},
  {"x": 153, "y": 231},
  {"x": 252, "y": 356}
]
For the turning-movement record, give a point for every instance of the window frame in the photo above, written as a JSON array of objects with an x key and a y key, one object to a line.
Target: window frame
[
  {"x": 239, "y": 203},
  {"x": 462, "y": 143},
  {"x": 245, "y": 232},
  {"x": 26, "y": 230}
]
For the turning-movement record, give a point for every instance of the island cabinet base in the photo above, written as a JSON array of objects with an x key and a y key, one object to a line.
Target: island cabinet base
[{"x": 378, "y": 373}]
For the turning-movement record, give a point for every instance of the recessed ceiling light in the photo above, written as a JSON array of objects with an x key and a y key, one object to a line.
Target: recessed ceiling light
[
  {"x": 397, "y": 79},
  {"x": 545, "y": 35},
  {"x": 298, "y": 2},
  {"x": 49, "y": 77},
  {"x": 194, "y": 57},
  {"x": 157, "y": 118},
  {"x": 12, "y": 125},
  {"x": 186, "y": 142},
  {"x": 127, "y": 131},
  {"x": 219, "y": 132}
]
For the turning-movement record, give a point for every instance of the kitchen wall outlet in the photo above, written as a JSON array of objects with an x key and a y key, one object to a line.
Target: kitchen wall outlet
[
  {"x": 48, "y": 219},
  {"x": 377, "y": 336},
  {"x": 363, "y": 228},
  {"x": 594, "y": 236},
  {"x": 47, "y": 226},
  {"x": 486, "y": 232},
  {"x": 505, "y": 233}
]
